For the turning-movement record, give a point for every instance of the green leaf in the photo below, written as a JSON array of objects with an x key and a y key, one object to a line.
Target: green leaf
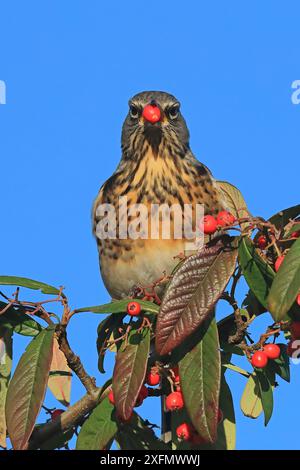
[
  {"x": 18, "y": 321},
  {"x": 104, "y": 332},
  {"x": 27, "y": 388},
  {"x": 266, "y": 394},
  {"x": 200, "y": 373},
  {"x": 281, "y": 366},
  {"x": 99, "y": 428},
  {"x": 286, "y": 285},
  {"x": 130, "y": 370},
  {"x": 193, "y": 292},
  {"x": 119, "y": 306},
  {"x": 282, "y": 218},
  {"x": 227, "y": 429},
  {"x": 234, "y": 201},
  {"x": 5, "y": 371},
  {"x": 251, "y": 404},
  {"x": 258, "y": 274},
  {"x": 29, "y": 283},
  {"x": 136, "y": 435},
  {"x": 236, "y": 369}
]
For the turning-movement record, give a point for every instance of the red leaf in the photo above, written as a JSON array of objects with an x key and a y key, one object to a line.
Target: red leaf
[
  {"x": 130, "y": 370},
  {"x": 193, "y": 291}
]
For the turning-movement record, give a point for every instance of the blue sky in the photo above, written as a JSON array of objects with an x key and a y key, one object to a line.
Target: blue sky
[{"x": 69, "y": 69}]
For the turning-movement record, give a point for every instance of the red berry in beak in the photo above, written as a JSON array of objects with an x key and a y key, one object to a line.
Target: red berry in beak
[{"x": 151, "y": 113}]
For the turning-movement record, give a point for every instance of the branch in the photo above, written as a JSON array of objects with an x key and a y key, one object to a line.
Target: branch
[{"x": 67, "y": 420}]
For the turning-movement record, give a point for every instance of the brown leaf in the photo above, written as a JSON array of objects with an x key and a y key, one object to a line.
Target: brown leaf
[
  {"x": 193, "y": 291},
  {"x": 60, "y": 376},
  {"x": 130, "y": 370}
]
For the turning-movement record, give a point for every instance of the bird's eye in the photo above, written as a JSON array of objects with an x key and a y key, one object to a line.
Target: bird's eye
[
  {"x": 173, "y": 112},
  {"x": 134, "y": 111}
]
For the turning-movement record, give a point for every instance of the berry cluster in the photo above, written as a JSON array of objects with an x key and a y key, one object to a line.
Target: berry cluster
[
  {"x": 210, "y": 224},
  {"x": 260, "y": 358}
]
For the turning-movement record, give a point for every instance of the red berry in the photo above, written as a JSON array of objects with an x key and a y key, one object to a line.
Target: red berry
[
  {"x": 143, "y": 393},
  {"x": 184, "y": 431},
  {"x": 224, "y": 218},
  {"x": 272, "y": 351},
  {"x": 176, "y": 379},
  {"x": 278, "y": 262},
  {"x": 298, "y": 299},
  {"x": 295, "y": 329},
  {"x": 262, "y": 242},
  {"x": 175, "y": 370},
  {"x": 259, "y": 359},
  {"x": 133, "y": 309},
  {"x": 174, "y": 401},
  {"x": 208, "y": 224},
  {"x": 151, "y": 113},
  {"x": 295, "y": 234},
  {"x": 111, "y": 397},
  {"x": 153, "y": 378},
  {"x": 56, "y": 413}
]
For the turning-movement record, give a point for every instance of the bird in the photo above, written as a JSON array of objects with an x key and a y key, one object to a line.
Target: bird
[{"x": 157, "y": 167}]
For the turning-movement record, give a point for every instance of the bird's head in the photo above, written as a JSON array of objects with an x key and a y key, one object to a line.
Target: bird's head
[{"x": 154, "y": 118}]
